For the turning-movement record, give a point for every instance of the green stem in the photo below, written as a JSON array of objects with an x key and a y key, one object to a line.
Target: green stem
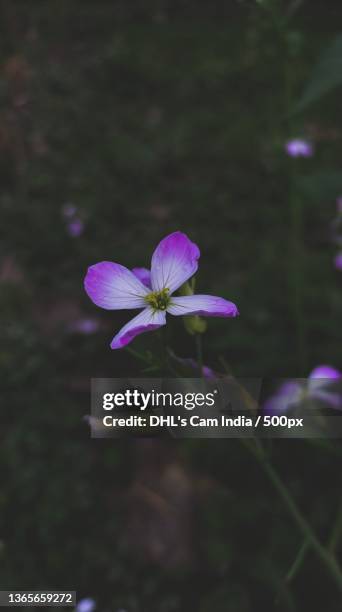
[
  {"x": 144, "y": 358},
  {"x": 164, "y": 355},
  {"x": 324, "y": 555},
  {"x": 296, "y": 267},
  {"x": 199, "y": 352},
  {"x": 297, "y": 280},
  {"x": 336, "y": 532},
  {"x": 298, "y": 561}
]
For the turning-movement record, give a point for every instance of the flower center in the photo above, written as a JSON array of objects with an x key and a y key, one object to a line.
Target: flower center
[{"x": 158, "y": 300}]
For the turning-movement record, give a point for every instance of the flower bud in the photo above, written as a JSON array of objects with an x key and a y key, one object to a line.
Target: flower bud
[{"x": 193, "y": 324}]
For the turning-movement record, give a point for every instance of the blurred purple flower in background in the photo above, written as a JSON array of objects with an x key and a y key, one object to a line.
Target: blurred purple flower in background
[
  {"x": 114, "y": 287},
  {"x": 207, "y": 372},
  {"x": 286, "y": 397},
  {"x": 338, "y": 261},
  {"x": 325, "y": 372},
  {"x": 75, "y": 225},
  {"x": 86, "y": 605},
  {"x": 85, "y": 326},
  {"x": 69, "y": 210},
  {"x": 298, "y": 147},
  {"x": 316, "y": 387},
  {"x": 75, "y": 228}
]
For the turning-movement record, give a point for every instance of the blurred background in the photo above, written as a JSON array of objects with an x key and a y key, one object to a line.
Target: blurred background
[{"x": 120, "y": 123}]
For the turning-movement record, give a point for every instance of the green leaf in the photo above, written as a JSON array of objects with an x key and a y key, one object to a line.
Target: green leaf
[{"x": 326, "y": 75}]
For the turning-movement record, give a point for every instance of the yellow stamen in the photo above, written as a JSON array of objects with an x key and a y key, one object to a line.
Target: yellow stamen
[{"x": 159, "y": 300}]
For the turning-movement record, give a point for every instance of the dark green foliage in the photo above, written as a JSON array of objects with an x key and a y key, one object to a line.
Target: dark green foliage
[
  {"x": 151, "y": 119},
  {"x": 326, "y": 74}
]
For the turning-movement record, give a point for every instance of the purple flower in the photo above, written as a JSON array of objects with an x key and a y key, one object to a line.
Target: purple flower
[
  {"x": 207, "y": 372},
  {"x": 85, "y": 326},
  {"x": 75, "y": 228},
  {"x": 75, "y": 225},
  {"x": 320, "y": 379},
  {"x": 143, "y": 275},
  {"x": 86, "y": 605},
  {"x": 317, "y": 387},
  {"x": 325, "y": 373},
  {"x": 69, "y": 210},
  {"x": 338, "y": 261},
  {"x": 114, "y": 287},
  {"x": 339, "y": 205},
  {"x": 299, "y": 147},
  {"x": 286, "y": 397}
]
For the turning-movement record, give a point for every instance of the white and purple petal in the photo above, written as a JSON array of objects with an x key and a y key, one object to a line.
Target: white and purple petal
[
  {"x": 174, "y": 261},
  {"x": 321, "y": 378},
  {"x": 144, "y": 275},
  {"x": 325, "y": 372},
  {"x": 203, "y": 305},
  {"x": 287, "y": 396},
  {"x": 145, "y": 321},
  {"x": 114, "y": 287}
]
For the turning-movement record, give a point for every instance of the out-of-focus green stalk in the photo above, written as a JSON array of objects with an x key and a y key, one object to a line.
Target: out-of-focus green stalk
[
  {"x": 296, "y": 257},
  {"x": 293, "y": 571},
  {"x": 336, "y": 532},
  {"x": 163, "y": 346},
  {"x": 199, "y": 352},
  {"x": 327, "y": 559},
  {"x": 297, "y": 276}
]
